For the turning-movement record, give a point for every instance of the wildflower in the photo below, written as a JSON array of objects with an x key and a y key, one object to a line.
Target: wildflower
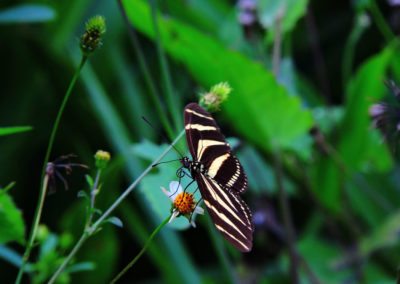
[
  {"x": 92, "y": 37},
  {"x": 215, "y": 97},
  {"x": 247, "y": 12},
  {"x": 183, "y": 203},
  {"x": 386, "y": 115},
  {"x": 53, "y": 169},
  {"x": 102, "y": 158}
]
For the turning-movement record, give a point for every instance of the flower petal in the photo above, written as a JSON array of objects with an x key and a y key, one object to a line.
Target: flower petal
[
  {"x": 174, "y": 188},
  {"x": 167, "y": 193},
  {"x": 174, "y": 215},
  {"x": 198, "y": 210}
]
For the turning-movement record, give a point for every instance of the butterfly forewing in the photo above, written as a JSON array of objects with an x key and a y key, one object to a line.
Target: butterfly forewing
[{"x": 222, "y": 180}]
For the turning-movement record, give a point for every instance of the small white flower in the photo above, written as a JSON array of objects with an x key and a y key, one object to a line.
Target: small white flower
[{"x": 183, "y": 203}]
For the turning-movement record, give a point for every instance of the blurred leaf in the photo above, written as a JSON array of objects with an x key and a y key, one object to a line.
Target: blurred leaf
[
  {"x": 27, "y": 13},
  {"x": 291, "y": 11},
  {"x": 268, "y": 114},
  {"x": 81, "y": 266},
  {"x": 12, "y": 130},
  {"x": 321, "y": 257},
  {"x": 12, "y": 226},
  {"x": 384, "y": 236},
  {"x": 89, "y": 181},
  {"x": 328, "y": 118},
  {"x": 13, "y": 257},
  {"x": 359, "y": 147},
  {"x": 115, "y": 221}
]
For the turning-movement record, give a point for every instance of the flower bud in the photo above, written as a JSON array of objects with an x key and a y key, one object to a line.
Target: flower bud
[
  {"x": 215, "y": 97},
  {"x": 92, "y": 37},
  {"x": 102, "y": 158}
]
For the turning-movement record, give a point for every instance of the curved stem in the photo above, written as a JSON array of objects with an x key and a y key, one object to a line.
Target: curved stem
[
  {"x": 93, "y": 228},
  {"x": 146, "y": 72},
  {"x": 172, "y": 102},
  {"x": 130, "y": 264},
  {"x": 43, "y": 185}
]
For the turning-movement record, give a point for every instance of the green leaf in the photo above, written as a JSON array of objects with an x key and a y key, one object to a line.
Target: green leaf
[
  {"x": 27, "y": 13},
  {"x": 12, "y": 226},
  {"x": 115, "y": 221},
  {"x": 268, "y": 114},
  {"x": 359, "y": 146},
  {"x": 12, "y": 130},
  {"x": 384, "y": 236}
]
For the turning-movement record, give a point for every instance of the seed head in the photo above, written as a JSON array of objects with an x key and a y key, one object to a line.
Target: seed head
[
  {"x": 213, "y": 99},
  {"x": 92, "y": 37}
]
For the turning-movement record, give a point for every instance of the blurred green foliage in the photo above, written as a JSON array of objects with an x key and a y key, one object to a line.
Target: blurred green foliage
[{"x": 342, "y": 185}]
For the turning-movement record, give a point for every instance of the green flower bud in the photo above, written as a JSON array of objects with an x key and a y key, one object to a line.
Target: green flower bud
[
  {"x": 92, "y": 37},
  {"x": 42, "y": 233},
  {"x": 102, "y": 158},
  {"x": 215, "y": 97}
]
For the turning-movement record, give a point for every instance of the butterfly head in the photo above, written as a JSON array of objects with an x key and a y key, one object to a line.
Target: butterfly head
[{"x": 186, "y": 163}]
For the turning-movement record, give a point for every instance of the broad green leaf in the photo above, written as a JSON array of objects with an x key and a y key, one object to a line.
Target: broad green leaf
[
  {"x": 27, "y": 13},
  {"x": 359, "y": 146},
  {"x": 12, "y": 226},
  {"x": 15, "y": 129},
  {"x": 268, "y": 114}
]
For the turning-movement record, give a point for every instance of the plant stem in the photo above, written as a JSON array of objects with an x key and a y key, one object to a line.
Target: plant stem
[
  {"x": 146, "y": 73},
  {"x": 380, "y": 22},
  {"x": 93, "y": 228},
  {"x": 93, "y": 197},
  {"x": 276, "y": 53},
  {"x": 116, "y": 278},
  {"x": 76, "y": 248},
  {"x": 44, "y": 180},
  {"x": 172, "y": 102},
  {"x": 287, "y": 219}
]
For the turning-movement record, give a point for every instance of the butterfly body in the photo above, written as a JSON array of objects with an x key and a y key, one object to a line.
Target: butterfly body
[{"x": 220, "y": 177}]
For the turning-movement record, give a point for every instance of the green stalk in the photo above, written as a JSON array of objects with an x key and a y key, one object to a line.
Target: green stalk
[
  {"x": 146, "y": 73},
  {"x": 44, "y": 180},
  {"x": 380, "y": 22},
  {"x": 130, "y": 264},
  {"x": 91, "y": 229},
  {"x": 172, "y": 102}
]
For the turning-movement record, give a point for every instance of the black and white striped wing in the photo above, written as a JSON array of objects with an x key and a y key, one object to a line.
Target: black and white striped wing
[
  {"x": 207, "y": 145},
  {"x": 223, "y": 180},
  {"x": 230, "y": 214}
]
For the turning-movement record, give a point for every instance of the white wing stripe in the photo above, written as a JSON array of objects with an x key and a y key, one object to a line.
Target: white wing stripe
[
  {"x": 198, "y": 114},
  {"x": 230, "y": 235},
  {"x": 220, "y": 201},
  {"x": 216, "y": 165},
  {"x": 203, "y": 144},
  {"x": 200, "y": 127},
  {"x": 223, "y": 217}
]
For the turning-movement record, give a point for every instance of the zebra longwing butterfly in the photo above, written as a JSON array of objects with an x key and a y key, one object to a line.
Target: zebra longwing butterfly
[{"x": 219, "y": 176}]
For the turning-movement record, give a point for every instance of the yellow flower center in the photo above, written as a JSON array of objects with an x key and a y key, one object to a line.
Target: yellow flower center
[{"x": 184, "y": 203}]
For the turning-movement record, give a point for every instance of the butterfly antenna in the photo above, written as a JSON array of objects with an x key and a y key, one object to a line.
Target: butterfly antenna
[
  {"x": 148, "y": 122},
  {"x": 155, "y": 165}
]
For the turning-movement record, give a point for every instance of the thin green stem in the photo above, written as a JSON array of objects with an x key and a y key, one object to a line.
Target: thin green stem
[
  {"x": 93, "y": 192},
  {"x": 116, "y": 278},
  {"x": 42, "y": 194},
  {"x": 380, "y": 22},
  {"x": 276, "y": 54},
  {"x": 76, "y": 248},
  {"x": 287, "y": 219},
  {"x": 146, "y": 73},
  {"x": 93, "y": 228},
  {"x": 350, "y": 46},
  {"x": 172, "y": 101}
]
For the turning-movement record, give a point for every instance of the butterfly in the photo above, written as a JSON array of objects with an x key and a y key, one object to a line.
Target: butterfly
[{"x": 219, "y": 176}]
